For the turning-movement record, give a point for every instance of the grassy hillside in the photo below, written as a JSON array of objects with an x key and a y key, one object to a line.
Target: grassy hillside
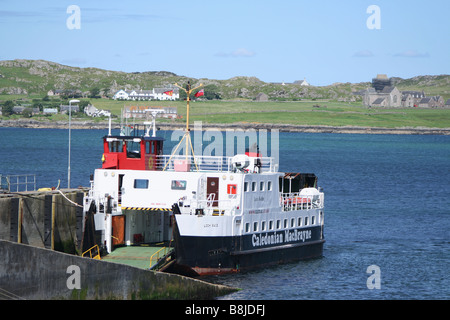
[
  {"x": 37, "y": 77},
  {"x": 28, "y": 81}
]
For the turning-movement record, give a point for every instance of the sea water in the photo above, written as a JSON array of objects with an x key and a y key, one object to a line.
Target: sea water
[{"x": 387, "y": 208}]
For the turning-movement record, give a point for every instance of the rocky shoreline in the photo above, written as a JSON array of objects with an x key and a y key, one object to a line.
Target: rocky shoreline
[{"x": 29, "y": 123}]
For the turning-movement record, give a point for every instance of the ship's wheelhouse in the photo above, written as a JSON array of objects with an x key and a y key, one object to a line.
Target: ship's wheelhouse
[{"x": 131, "y": 152}]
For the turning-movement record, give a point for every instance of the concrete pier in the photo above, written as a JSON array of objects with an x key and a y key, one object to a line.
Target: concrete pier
[
  {"x": 43, "y": 219},
  {"x": 27, "y": 272},
  {"x": 40, "y": 244}
]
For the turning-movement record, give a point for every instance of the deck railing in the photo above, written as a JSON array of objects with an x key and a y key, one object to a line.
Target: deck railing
[
  {"x": 158, "y": 255},
  {"x": 296, "y": 201},
  {"x": 94, "y": 253},
  {"x": 18, "y": 182},
  {"x": 208, "y": 163}
]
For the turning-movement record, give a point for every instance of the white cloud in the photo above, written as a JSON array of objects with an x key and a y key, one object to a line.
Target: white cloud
[
  {"x": 241, "y": 52},
  {"x": 412, "y": 54},
  {"x": 363, "y": 54}
]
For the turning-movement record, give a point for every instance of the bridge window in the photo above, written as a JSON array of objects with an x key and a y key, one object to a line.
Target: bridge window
[
  {"x": 133, "y": 149},
  {"x": 269, "y": 185},
  {"x": 115, "y": 146},
  {"x": 254, "y": 186},
  {"x": 150, "y": 147}
]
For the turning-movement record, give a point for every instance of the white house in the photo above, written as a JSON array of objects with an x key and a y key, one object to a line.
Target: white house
[
  {"x": 92, "y": 111},
  {"x": 154, "y": 94},
  {"x": 50, "y": 111},
  {"x": 140, "y": 112},
  {"x": 121, "y": 94},
  {"x": 302, "y": 82},
  {"x": 166, "y": 93}
]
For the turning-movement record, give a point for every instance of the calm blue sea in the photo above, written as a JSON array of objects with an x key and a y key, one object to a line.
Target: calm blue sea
[{"x": 387, "y": 204}]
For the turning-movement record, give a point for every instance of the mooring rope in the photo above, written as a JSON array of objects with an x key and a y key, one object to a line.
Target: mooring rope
[{"x": 74, "y": 203}]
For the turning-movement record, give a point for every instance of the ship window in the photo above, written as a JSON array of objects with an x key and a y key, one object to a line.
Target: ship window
[
  {"x": 278, "y": 224},
  {"x": 263, "y": 226},
  {"x": 285, "y": 223},
  {"x": 306, "y": 221},
  {"x": 178, "y": 184},
  {"x": 150, "y": 147},
  {"x": 292, "y": 222},
  {"x": 299, "y": 222},
  {"x": 313, "y": 219},
  {"x": 271, "y": 225},
  {"x": 133, "y": 149},
  {"x": 269, "y": 185},
  {"x": 254, "y": 186},
  {"x": 140, "y": 183},
  {"x": 261, "y": 186},
  {"x": 255, "y": 226},
  {"x": 115, "y": 146},
  {"x": 247, "y": 227},
  {"x": 245, "y": 186}
]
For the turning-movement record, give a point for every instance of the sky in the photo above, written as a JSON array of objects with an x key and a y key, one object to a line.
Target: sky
[{"x": 324, "y": 41}]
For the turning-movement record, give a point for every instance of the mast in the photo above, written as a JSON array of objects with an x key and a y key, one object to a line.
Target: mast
[{"x": 187, "y": 135}]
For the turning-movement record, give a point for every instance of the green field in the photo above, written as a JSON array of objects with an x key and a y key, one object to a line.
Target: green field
[
  {"x": 329, "y": 113},
  {"x": 315, "y": 113}
]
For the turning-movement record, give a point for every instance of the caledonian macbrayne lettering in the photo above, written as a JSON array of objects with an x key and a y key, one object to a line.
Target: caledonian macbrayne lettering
[{"x": 278, "y": 238}]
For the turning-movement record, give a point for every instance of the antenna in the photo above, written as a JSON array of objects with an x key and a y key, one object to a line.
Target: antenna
[{"x": 154, "y": 113}]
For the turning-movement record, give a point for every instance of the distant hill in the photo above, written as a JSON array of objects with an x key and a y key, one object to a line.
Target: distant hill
[{"x": 39, "y": 76}]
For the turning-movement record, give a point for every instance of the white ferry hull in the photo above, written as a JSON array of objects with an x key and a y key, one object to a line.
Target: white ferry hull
[{"x": 208, "y": 254}]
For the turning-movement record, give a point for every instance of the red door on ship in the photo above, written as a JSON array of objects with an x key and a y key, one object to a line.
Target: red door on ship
[
  {"x": 212, "y": 187},
  {"x": 118, "y": 230}
]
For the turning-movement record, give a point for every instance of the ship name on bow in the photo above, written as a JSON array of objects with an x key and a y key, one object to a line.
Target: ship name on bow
[{"x": 279, "y": 238}]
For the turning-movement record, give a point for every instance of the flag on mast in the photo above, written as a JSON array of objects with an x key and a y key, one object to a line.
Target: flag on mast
[
  {"x": 199, "y": 93},
  {"x": 169, "y": 93}
]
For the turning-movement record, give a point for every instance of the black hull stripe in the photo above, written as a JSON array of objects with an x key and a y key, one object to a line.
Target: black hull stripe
[{"x": 219, "y": 255}]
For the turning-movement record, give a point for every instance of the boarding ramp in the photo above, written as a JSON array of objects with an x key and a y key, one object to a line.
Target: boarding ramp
[{"x": 144, "y": 256}]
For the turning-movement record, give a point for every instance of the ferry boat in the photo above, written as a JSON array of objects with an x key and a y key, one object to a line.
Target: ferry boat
[{"x": 223, "y": 214}]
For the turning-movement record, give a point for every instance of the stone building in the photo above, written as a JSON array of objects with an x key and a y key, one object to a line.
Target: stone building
[
  {"x": 416, "y": 96},
  {"x": 438, "y": 101},
  {"x": 262, "y": 97},
  {"x": 407, "y": 100},
  {"x": 387, "y": 97},
  {"x": 380, "y": 82}
]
